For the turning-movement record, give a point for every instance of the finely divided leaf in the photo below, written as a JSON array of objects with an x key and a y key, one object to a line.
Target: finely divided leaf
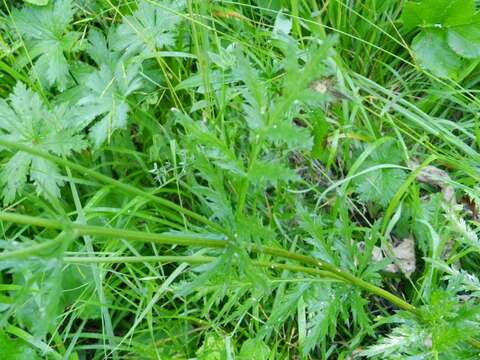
[
  {"x": 25, "y": 119},
  {"x": 294, "y": 137},
  {"x": 380, "y": 185},
  {"x": 106, "y": 89},
  {"x": 14, "y": 176},
  {"x": 151, "y": 27},
  {"x": 45, "y": 30},
  {"x": 263, "y": 173}
]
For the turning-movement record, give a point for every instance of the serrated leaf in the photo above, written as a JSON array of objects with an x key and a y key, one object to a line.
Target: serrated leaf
[
  {"x": 433, "y": 53},
  {"x": 45, "y": 30},
  {"x": 151, "y": 27},
  {"x": 25, "y": 119},
  {"x": 40, "y": 298},
  {"x": 465, "y": 40},
  {"x": 14, "y": 175},
  {"x": 211, "y": 146},
  {"x": 284, "y": 309},
  {"x": 380, "y": 185},
  {"x": 323, "y": 307},
  {"x": 106, "y": 89},
  {"x": 403, "y": 340},
  {"x": 295, "y": 137},
  {"x": 264, "y": 172}
]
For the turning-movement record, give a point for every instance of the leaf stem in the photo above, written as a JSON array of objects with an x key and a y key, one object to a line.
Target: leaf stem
[{"x": 186, "y": 240}]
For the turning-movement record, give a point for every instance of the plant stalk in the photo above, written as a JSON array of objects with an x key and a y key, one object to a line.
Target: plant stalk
[{"x": 179, "y": 239}]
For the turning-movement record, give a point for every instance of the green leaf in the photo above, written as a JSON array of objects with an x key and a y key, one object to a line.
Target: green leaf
[
  {"x": 285, "y": 308},
  {"x": 380, "y": 185},
  {"x": 48, "y": 40},
  {"x": 39, "y": 302},
  {"x": 433, "y": 53},
  {"x": 106, "y": 89},
  {"x": 212, "y": 147},
  {"x": 323, "y": 307},
  {"x": 411, "y": 15},
  {"x": 465, "y": 40},
  {"x": 151, "y": 27},
  {"x": 78, "y": 287},
  {"x": 264, "y": 172},
  {"x": 282, "y": 26},
  {"x": 320, "y": 134},
  {"x": 14, "y": 175},
  {"x": 437, "y": 13},
  {"x": 16, "y": 349},
  {"x": 25, "y": 119},
  {"x": 458, "y": 12},
  {"x": 213, "y": 348},
  {"x": 254, "y": 349},
  {"x": 295, "y": 137}
]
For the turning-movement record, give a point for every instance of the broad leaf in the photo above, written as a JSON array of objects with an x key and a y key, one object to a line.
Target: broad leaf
[
  {"x": 465, "y": 40},
  {"x": 213, "y": 348},
  {"x": 434, "y": 54},
  {"x": 437, "y": 13}
]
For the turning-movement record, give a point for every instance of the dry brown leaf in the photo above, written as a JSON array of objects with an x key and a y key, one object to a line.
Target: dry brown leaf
[
  {"x": 434, "y": 176},
  {"x": 404, "y": 253}
]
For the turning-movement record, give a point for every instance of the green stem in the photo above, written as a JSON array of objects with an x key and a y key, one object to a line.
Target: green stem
[
  {"x": 177, "y": 239},
  {"x": 194, "y": 259},
  {"x": 107, "y": 180},
  {"x": 345, "y": 275},
  {"x": 171, "y": 239}
]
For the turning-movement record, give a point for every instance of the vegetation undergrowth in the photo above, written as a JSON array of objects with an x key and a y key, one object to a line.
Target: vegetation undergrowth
[{"x": 259, "y": 179}]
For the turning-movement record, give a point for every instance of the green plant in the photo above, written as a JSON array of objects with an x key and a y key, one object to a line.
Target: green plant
[
  {"x": 450, "y": 35},
  {"x": 255, "y": 179}
]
